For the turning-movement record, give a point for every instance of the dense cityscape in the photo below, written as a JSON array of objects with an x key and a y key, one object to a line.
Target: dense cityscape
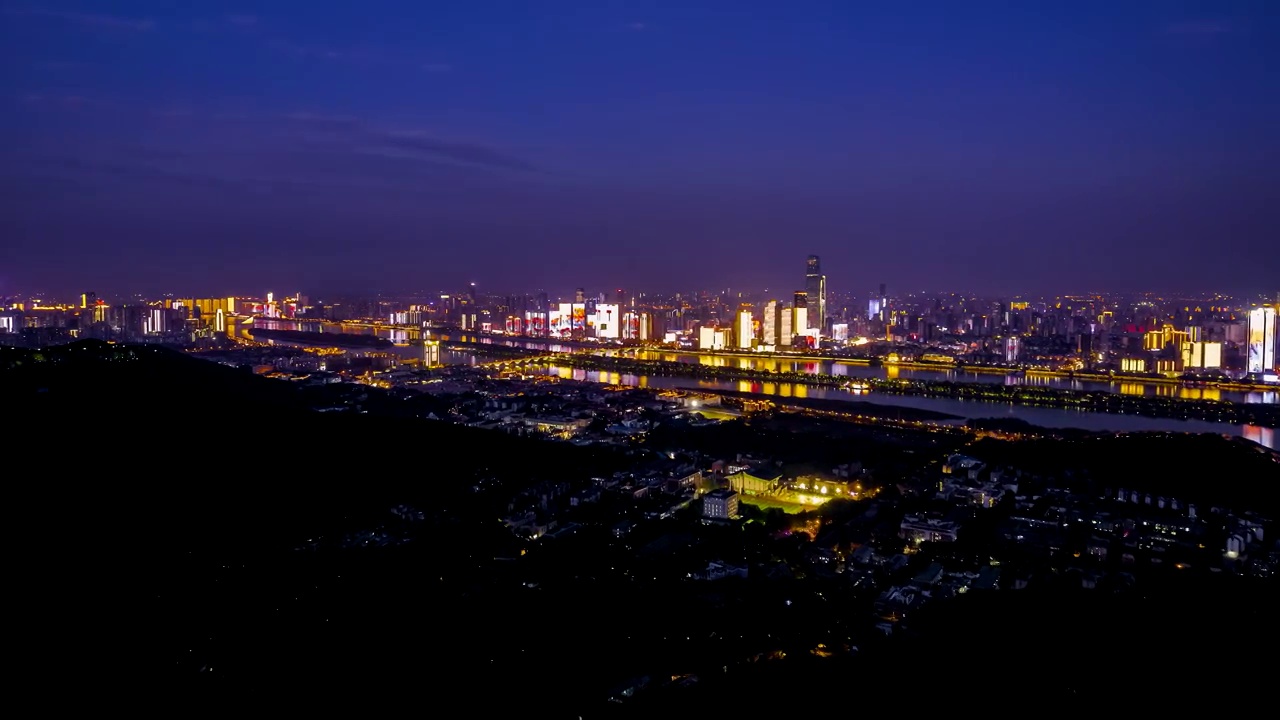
[
  {"x": 1208, "y": 358},
  {"x": 756, "y": 472},
  {"x": 1208, "y": 337},
  {"x": 592, "y": 360}
]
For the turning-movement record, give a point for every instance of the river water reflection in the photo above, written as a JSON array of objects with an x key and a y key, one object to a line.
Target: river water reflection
[
  {"x": 1044, "y": 417},
  {"x": 969, "y": 409},
  {"x": 891, "y": 372},
  {"x": 817, "y": 367}
]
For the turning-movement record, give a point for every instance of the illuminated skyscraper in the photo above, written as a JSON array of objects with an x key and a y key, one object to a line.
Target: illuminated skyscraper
[
  {"x": 743, "y": 332},
  {"x": 1262, "y": 340},
  {"x": 1202, "y": 355},
  {"x": 769, "y": 324},
  {"x": 799, "y": 322},
  {"x": 815, "y": 287},
  {"x": 431, "y": 353}
]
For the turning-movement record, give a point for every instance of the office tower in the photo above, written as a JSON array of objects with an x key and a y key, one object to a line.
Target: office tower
[
  {"x": 1201, "y": 355},
  {"x": 785, "y": 328},
  {"x": 1262, "y": 340},
  {"x": 743, "y": 332},
  {"x": 815, "y": 286},
  {"x": 769, "y": 324},
  {"x": 799, "y": 314},
  {"x": 799, "y": 321},
  {"x": 710, "y": 338},
  {"x": 608, "y": 321}
]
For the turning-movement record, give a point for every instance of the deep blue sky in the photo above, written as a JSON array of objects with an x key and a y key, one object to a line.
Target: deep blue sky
[{"x": 208, "y": 147}]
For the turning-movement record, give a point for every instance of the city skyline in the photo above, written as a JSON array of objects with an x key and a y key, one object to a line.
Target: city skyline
[
  {"x": 650, "y": 357},
  {"x": 666, "y": 146},
  {"x": 759, "y": 295}
]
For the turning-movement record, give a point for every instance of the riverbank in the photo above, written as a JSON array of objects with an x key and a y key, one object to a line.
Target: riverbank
[
  {"x": 1085, "y": 376},
  {"x": 323, "y": 339},
  {"x": 1103, "y": 402},
  {"x": 856, "y": 408}
]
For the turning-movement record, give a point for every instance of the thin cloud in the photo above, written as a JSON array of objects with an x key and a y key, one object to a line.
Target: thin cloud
[
  {"x": 266, "y": 152},
  {"x": 466, "y": 153},
  {"x": 1200, "y": 28},
  {"x": 437, "y": 67},
  {"x": 55, "y": 102},
  {"x": 243, "y": 20},
  {"x": 637, "y": 26},
  {"x": 359, "y": 137},
  {"x": 109, "y": 22}
]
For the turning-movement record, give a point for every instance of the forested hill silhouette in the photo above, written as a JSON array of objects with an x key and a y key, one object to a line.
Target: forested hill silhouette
[
  {"x": 1211, "y": 470},
  {"x": 1062, "y": 648},
  {"x": 167, "y": 503},
  {"x": 108, "y": 383},
  {"x": 174, "y": 515},
  {"x": 206, "y": 439}
]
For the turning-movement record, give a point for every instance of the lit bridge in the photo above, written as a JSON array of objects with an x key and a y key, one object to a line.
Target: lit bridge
[{"x": 520, "y": 362}]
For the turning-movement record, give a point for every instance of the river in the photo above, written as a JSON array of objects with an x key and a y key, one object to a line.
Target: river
[
  {"x": 1044, "y": 417},
  {"x": 818, "y": 367},
  {"x": 891, "y": 372},
  {"x": 969, "y": 409}
]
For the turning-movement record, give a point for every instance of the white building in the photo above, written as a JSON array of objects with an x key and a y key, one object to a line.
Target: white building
[
  {"x": 743, "y": 332},
  {"x": 710, "y": 338},
  {"x": 1262, "y": 340},
  {"x": 720, "y": 504}
]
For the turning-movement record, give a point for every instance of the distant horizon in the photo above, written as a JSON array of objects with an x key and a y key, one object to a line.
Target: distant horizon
[{"x": 1249, "y": 297}]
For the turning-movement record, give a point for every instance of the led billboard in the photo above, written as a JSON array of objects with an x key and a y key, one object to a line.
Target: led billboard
[
  {"x": 607, "y": 321},
  {"x": 1262, "y": 340}
]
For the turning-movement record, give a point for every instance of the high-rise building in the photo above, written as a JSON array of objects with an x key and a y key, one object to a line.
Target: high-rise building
[
  {"x": 799, "y": 322},
  {"x": 1202, "y": 355},
  {"x": 815, "y": 287},
  {"x": 431, "y": 353},
  {"x": 1262, "y": 340},
  {"x": 785, "y": 326},
  {"x": 769, "y": 324},
  {"x": 637, "y": 325},
  {"x": 710, "y": 338},
  {"x": 743, "y": 332},
  {"x": 1011, "y": 347}
]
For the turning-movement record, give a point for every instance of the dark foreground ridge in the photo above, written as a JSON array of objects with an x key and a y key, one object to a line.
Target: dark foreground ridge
[{"x": 213, "y": 521}]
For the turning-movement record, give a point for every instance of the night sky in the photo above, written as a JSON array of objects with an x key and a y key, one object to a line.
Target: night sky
[{"x": 329, "y": 146}]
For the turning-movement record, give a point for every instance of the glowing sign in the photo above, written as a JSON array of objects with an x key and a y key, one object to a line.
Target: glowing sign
[
  {"x": 607, "y": 321},
  {"x": 1262, "y": 340}
]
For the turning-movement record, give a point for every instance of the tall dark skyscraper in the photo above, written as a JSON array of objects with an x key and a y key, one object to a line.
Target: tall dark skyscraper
[{"x": 815, "y": 287}]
